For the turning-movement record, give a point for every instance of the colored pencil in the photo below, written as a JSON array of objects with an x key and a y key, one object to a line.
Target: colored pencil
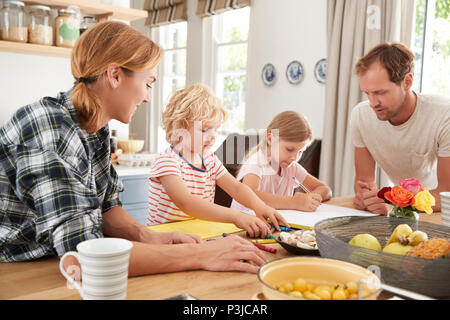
[
  {"x": 265, "y": 248},
  {"x": 264, "y": 241}
]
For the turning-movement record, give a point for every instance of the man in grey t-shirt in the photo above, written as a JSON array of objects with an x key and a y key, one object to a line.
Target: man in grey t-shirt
[{"x": 405, "y": 133}]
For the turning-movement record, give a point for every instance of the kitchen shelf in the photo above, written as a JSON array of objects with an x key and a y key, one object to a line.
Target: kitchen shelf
[
  {"x": 100, "y": 10},
  {"x": 94, "y": 8},
  {"x": 36, "y": 49}
]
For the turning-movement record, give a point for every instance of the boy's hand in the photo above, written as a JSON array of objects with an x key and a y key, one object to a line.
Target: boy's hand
[
  {"x": 267, "y": 212},
  {"x": 253, "y": 225},
  {"x": 306, "y": 201}
]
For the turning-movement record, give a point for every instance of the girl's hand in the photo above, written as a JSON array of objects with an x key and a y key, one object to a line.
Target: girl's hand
[
  {"x": 267, "y": 212},
  {"x": 254, "y": 226},
  {"x": 307, "y": 201}
]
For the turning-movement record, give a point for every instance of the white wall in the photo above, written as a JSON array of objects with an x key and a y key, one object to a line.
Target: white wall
[
  {"x": 26, "y": 78},
  {"x": 282, "y": 31}
]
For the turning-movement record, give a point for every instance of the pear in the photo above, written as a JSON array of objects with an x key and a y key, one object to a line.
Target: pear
[
  {"x": 397, "y": 248},
  {"x": 417, "y": 237},
  {"x": 366, "y": 240},
  {"x": 402, "y": 231}
]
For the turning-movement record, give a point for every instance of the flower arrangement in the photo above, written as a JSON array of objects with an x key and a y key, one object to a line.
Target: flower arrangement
[{"x": 407, "y": 199}]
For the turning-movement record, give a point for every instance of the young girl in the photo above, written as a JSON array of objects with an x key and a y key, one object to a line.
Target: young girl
[
  {"x": 272, "y": 170},
  {"x": 183, "y": 178}
]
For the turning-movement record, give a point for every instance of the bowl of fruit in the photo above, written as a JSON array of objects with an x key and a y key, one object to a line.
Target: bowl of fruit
[
  {"x": 315, "y": 278},
  {"x": 411, "y": 255}
]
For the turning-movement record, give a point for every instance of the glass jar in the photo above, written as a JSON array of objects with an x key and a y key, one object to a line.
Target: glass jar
[
  {"x": 67, "y": 26},
  {"x": 39, "y": 29},
  {"x": 13, "y": 26},
  {"x": 86, "y": 23}
]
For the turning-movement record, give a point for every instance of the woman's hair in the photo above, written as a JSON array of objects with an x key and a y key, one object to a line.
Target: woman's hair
[
  {"x": 106, "y": 43},
  {"x": 193, "y": 103},
  {"x": 287, "y": 126},
  {"x": 395, "y": 57}
]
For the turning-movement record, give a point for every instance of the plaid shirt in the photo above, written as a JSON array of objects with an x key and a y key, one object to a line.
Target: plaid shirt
[{"x": 56, "y": 180}]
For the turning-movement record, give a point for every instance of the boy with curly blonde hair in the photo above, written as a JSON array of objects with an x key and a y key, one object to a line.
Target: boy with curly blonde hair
[{"x": 184, "y": 176}]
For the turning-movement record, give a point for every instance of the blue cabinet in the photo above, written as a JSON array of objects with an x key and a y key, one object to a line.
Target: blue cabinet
[{"x": 134, "y": 197}]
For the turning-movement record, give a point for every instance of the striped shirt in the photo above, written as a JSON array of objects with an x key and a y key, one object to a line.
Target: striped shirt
[
  {"x": 56, "y": 180},
  {"x": 200, "y": 182}
]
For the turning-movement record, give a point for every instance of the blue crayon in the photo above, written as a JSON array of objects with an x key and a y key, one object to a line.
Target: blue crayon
[{"x": 282, "y": 228}]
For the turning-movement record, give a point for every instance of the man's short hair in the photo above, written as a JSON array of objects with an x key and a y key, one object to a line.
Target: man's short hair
[{"x": 397, "y": 58}]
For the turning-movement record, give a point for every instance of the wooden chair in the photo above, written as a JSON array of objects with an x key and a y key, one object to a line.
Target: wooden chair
[{"x": 236, "y": 146}]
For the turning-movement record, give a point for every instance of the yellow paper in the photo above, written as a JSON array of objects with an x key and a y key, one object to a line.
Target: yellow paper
[{"x": 205, "y": 229}]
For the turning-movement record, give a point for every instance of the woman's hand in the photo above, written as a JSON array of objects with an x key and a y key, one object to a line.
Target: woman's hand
[
  {"x": 231, "y": 254},
  {"x": 306, "y": 201},
  {"x": 152, "y": 237}
]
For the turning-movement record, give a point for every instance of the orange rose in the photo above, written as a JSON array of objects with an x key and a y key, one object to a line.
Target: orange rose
[{"x": 400, "y": 197}]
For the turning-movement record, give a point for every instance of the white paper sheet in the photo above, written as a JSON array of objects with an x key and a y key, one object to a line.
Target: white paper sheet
[{"x": 307, "y": 220}]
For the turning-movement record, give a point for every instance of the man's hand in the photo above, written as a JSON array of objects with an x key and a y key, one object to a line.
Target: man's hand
[
  {"x": 358, "y": 201},
  {"x": 367, "y": 199}
]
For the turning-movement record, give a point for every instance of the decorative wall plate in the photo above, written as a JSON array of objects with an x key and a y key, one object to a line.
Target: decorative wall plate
[
  {"x": 268, "y": 74},
  {"x": 294, "y": 72},
  {"x": 320, "y": 70}
]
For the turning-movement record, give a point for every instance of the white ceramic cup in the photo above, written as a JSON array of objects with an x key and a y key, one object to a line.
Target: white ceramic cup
[
  {"x": 445, "y": 208},
  {"x": 104, "y": 268}
]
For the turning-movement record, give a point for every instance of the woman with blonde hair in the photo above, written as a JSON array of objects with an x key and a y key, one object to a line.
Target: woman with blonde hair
[
  {"x": 57, "y": 185},
  {"x": 272, "y": 170}
]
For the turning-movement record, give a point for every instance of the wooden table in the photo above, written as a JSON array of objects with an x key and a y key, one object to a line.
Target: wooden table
[{"x": 41, "y": 279}]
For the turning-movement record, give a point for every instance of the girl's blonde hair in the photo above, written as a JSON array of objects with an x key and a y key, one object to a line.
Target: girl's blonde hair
[
  {"x": 106, "y": 43},
  {"x": 288, "y": 126},
  {"x": 193, "y": 103}
]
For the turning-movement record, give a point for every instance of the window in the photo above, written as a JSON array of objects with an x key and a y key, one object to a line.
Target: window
[
  {"x": 230, "y": 41},
  {"x": 172, "y": 73},
  {"x": 432, "y": 47}
]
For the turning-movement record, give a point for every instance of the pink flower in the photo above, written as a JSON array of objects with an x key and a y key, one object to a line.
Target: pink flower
[{"x": 412, "y": 185}]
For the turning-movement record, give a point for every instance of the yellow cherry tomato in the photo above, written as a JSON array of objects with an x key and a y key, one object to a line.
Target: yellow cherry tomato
[
  {"x": 339, "y": 294},
  {"x": 296, "y": 293},
  {"x": 310, "y": 295},
  {"x": 288, "y": 286},
  {"x": 323, "y": 294},
  {"x": 352, "y": 287},
  {"x": 353, "y": 296},
  {"x": 300, "y": 285}
]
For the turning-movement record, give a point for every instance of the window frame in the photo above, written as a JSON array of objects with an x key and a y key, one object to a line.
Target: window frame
[{"x": 156, "y": 134}]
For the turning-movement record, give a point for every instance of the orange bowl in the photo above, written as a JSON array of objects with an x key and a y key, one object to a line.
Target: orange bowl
[{"x": 315, "y": 270}]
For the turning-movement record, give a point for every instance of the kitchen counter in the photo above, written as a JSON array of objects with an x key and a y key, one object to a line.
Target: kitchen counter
[{"x": 131, "y": 171}]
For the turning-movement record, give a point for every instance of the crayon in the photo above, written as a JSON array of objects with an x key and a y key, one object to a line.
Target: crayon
[
  {"x": 264, "y": 241},
  {"x": 268, "y": 236},
  {"x": 282, "y": 228},
  {"x": 265, "y": 248}
]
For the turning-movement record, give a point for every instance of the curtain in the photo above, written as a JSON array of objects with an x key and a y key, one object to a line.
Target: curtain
[
  {"x": 207, "y": 8},
  {"x": 353, "y": 28},
  {"x": 161, "y": 12}
]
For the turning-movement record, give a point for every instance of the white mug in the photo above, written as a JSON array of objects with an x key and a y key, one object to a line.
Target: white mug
[
  {"x": 104, "y": 268},
  {"x": 445, "y": 208}
]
